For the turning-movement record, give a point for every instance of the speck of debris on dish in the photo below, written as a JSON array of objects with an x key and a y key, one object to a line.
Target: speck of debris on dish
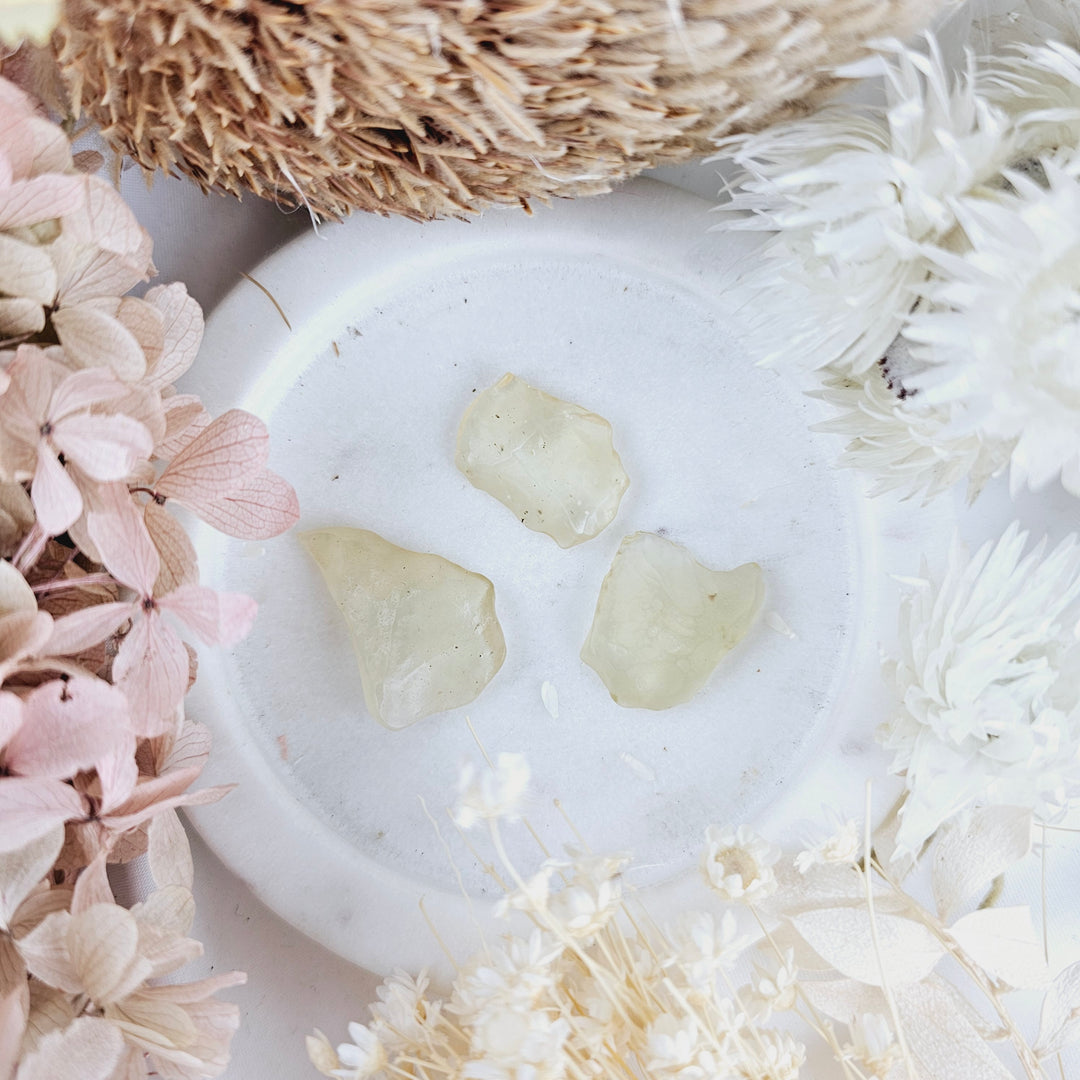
[
  {"x": 283, "y": 747},
  {"x": 550, "y": 697},
  {"x": 776, "y": 622},
  {"x": 638, "y": 768}
]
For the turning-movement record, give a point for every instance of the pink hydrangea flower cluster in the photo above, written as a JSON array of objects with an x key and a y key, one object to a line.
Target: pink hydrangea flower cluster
[{"x": 99, "y": 594}]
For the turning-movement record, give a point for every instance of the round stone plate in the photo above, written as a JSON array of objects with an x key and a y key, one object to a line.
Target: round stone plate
[{"x": 622, "y": 305}]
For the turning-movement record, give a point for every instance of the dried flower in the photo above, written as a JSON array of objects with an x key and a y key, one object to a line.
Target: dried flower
[
  {"x": 491, "y": 794},
  {"x": 873, "y": 1045},
  {"x": 989, "y": 702},
  {"x": 364, "y": 1057},
  {"x": 838, "y": 848},
  {"x": 738, "y": 863},
  {"x": 705, "y": 945}
]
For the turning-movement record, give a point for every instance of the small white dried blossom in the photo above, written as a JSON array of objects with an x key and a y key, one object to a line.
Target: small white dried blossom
[
  {"x": 364, "y": 1057},
  {"x": 781, "y": 1057},
  {"x": 705, "y": 945},
  {"x": 517, "y": 1044},
  {"x": 404, "y": 1016},
  {"x": 491, "y": 794},
  {"x": 873, "y": 1046},
  {"x": 591, "y": 898},
  {"x": 840, "y": 847},
  {"x": 776, "y": 986},
  {"x": 987, "y": 684},
  {"x": 738, "y": 863},
  {"x": 673, "y": 1044}
]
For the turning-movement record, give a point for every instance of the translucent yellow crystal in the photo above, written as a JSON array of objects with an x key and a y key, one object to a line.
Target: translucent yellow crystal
[
  {"x": 663, "y": 621},
  {"x": 551, "y": 462},
  {"x": 424, "y": 629}
]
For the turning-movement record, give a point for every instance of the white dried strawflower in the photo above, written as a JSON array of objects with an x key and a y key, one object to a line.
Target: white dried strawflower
[
  {"x": 515, "y": 1043},
  {"x": 673, "y": 1044},
  {"x": 591, "y": 898},
  {"x": 491, "y": 794},
  {"x": 1000, "y": 335},
  {"x": 986, "y": 680},
  {"x": 738, "y": 863},
  {"x": 852, "y": 194},
  {"x": 781, "y": 1057},
  {"x": 404, "y": 1016}
]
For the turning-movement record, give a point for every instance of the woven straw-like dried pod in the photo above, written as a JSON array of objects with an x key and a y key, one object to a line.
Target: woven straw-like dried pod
[{"x": 432, "y": 107}]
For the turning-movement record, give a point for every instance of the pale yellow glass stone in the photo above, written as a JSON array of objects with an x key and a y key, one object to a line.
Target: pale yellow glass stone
[
  {"x": 663, "y": 621},
  {"x": 550, "y": 461},
  {"x": 424, "y": 629}
]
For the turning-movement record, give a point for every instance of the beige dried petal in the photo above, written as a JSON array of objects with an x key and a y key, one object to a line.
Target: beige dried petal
[
  {"x": 153, "y": 1021},
  {"x": 163, "y": 920},
  {"x": 22, "y": 870},
  {"x": 552, "y": 463},
  {"x": 424, "y": 629},
  {"x": 45, "y": 950},
  {"x": 15, "y": 593},
  {"x": 179, "y": 563},
  {"x": 26, "y": 271},
  {"x": 322, "y": 1053},
  {"x": 92, "y": 338},
  {"x": 663, "y": 621},
  {"x": 12, "y": 974},
  {"x": 19, "y": 315},
  {"x": 16, "y": 515},
  {"x": 89, "y": 1049},
  {"x": 103, "y": 942},
  {"x": 50, "y": 1010},
  {"x": 169, "y": 852}
]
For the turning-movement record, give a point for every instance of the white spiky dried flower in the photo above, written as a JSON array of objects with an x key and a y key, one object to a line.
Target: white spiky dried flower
[
  {"x": 490, "y": 794},
  {"x": 738, "y": 863},
  {"x": 989, "y": 698},
  {"x": 851, "y": 195}
]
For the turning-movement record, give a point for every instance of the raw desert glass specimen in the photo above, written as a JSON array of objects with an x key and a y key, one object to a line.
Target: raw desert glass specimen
[
  {"x": 551, "y": 462},
  {"x": 663, "y": 621},
  {"x": 424, "y": 629}
]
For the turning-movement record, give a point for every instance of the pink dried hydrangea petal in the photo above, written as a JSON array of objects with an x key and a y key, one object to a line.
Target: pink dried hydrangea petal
[
  {"x": 151, "y": 667},
  {"x": 69, "y": 725},
  {"x": 182, "y": 323},
  {"x": 30, "y": 807},
  {"x": 105, "y": 447},
  {"x": 262, "y": 507},
  {"x": 93, "y": 338},
  {"x": 11, "y": 716},
  {"x": 57, "y": 501},
  {"x": 87, "y": 627},
  {"x": 42, "y": 198},
  {"x": 124, "y": 546},
  {"x": 233, "y": 448},
  {"x": 218, "y": 618}
]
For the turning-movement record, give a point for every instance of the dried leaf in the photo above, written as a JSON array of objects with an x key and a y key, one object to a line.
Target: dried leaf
[
  {"x": 31, "y": 808},
  {"x": 842, "y": 936},
  {"x": 262, "y": 507},
  {"x": 15, "y": 593},
  {"x": 218, "y": 618},
  {"x": 1002, "y": 942},
  {"x": 179, "y": 563},
  {"x": 22, "y": 870},
  {"x": 975, "y": 849},
  {"x": 844, "y": 999},
  {"x": 89, "y": 1049},
  {"x": 169, "y": 852},
  {"x": 941, "y": 1038},
  {"x": 233, "y": 448},
  {"x": 1059, "y": 1024},
  {"x": 91, "y": 338}
]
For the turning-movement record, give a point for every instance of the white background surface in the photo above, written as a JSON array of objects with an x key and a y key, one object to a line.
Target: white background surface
[{"x": 293, "y": 983}]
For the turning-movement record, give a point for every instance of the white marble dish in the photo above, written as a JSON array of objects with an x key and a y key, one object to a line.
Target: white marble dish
[{"x": 619, "y": 302}]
